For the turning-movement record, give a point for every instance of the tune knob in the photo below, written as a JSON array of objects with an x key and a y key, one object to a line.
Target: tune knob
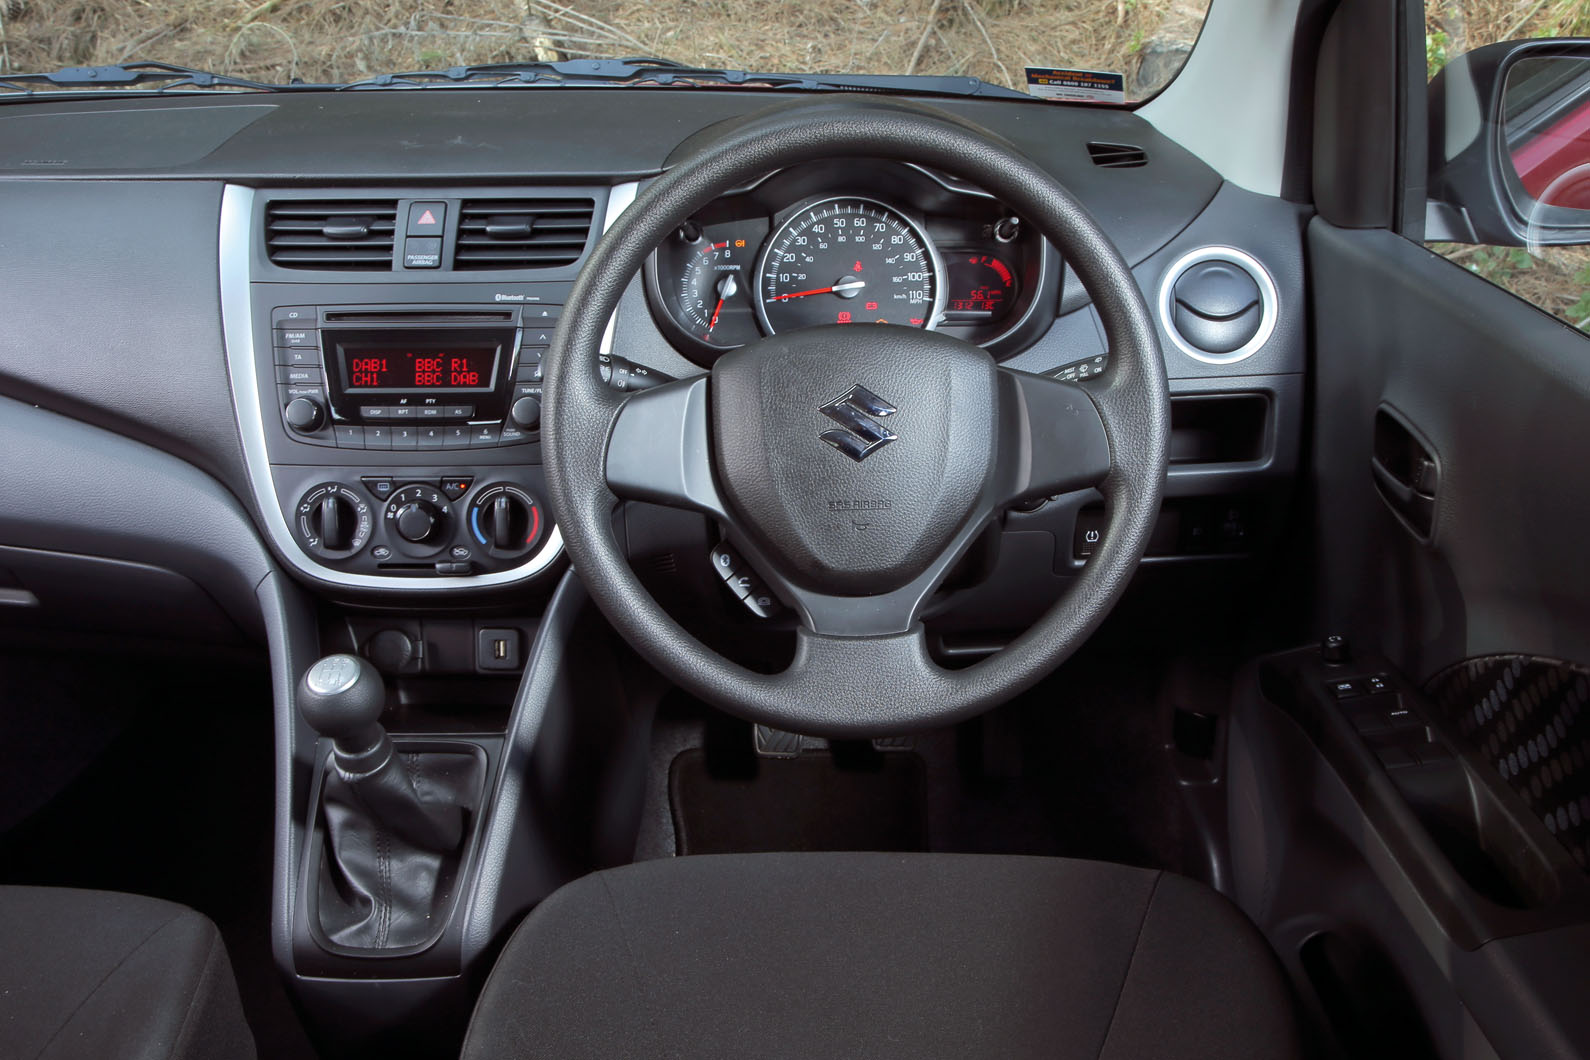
[
  {"x": 305, "y": 415},
  {"x": 334, "y": 521},
  {"x": 526, "y": 413}
]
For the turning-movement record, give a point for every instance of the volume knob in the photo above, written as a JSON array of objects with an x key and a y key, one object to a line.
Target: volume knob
[{"x": 305, "y": 415}]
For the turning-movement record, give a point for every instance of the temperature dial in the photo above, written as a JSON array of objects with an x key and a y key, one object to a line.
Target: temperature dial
[
  {"x": 418, "y": 517},
  {"x": 334, "y": 521},
  {"x": 506, "y": 520}
]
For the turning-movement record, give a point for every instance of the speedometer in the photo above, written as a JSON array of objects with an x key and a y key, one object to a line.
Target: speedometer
[{"x": 848, "y": 261}]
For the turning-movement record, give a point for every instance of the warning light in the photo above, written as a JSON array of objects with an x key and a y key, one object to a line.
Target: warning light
[
  {"x": 844, "y": 318},
  {"x": 856, "y": 267},
  {"x": 872, "y": 305},
  {"x": 427, "y": 218},
  {"x": 916, "y": 321},
  {"x": 739, "y": 242}
]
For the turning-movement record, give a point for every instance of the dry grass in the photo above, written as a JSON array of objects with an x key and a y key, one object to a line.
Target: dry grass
[{"x": 339, "y": 40}]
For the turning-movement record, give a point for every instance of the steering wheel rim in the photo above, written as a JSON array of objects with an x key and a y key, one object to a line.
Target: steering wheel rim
[{"x": 851, "y": 685}]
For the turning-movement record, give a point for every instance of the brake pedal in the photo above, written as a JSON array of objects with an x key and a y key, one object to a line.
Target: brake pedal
[{"x": 776, "y": 743}]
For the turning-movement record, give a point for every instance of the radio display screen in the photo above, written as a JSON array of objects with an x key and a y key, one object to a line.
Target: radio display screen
[
  {"x": 420, "y": 360},
  {"x": 375, "y": 368}
]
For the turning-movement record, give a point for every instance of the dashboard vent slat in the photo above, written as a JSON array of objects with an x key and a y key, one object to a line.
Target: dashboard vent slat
[
  {"x": 1117, "y": 156},
  {"x": 344, "y": 234},
  {"x": 522, "y": 233}
]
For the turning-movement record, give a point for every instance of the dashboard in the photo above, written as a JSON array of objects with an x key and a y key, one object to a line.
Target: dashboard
[{"x": 340, "y": 343}]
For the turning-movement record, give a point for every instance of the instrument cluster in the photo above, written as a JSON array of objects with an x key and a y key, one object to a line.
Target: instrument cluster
[{"x": 862, "y": 243}]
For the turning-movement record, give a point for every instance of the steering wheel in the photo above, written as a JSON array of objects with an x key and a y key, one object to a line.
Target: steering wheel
[{"x": 929, "y": 441}]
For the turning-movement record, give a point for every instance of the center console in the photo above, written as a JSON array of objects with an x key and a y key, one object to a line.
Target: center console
[{"x": 389, "y": 399}]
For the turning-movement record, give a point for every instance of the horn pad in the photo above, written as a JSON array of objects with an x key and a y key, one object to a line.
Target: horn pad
[{"x": 852, "y": 453}]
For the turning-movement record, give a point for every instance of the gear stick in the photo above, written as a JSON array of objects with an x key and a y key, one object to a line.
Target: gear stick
[{"x": 341, "y": 697}]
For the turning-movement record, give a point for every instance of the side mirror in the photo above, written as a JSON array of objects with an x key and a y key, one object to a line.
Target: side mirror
[{"x": 1510, "y": 145}]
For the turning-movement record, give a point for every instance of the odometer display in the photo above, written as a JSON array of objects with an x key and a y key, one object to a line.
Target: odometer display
[{"x": 847, "y": 261}]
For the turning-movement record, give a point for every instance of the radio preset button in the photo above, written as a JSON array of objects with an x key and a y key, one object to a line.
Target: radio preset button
[
  {"x": 349, "y": 436},
  {"x": 405, "y": 437},
  {"x": 378, "y": 437},
  {"x": 455, "y": 437},
  {"x": 431, "y": 437},
  {"x": 483, "y": 436}
]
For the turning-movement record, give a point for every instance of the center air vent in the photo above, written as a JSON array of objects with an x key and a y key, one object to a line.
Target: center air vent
[
  {"x": 1117, "y": 156},
  {"x": 342, "y": 234},
  {"x": 522, "y": 233}
]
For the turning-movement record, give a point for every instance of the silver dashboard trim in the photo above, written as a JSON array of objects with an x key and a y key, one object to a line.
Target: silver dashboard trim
[
  {"x": 618, "y": 200},
  {"x": 237, "y": 324}
]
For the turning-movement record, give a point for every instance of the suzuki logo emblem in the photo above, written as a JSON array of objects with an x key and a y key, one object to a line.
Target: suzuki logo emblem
[{"x": 858, "y": 411}]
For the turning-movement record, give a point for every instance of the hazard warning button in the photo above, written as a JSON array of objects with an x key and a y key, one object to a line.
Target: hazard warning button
[{"x": 427, "y": 218}]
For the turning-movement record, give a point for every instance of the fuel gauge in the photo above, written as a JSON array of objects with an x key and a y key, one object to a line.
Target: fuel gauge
[{"x": 982, "y": 288}]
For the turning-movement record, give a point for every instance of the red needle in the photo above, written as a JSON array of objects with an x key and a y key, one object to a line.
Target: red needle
[
  {"x": 802, "y": 294},
  {"x": 716, "y": 310},
  {"x": 845, "y": 285}
]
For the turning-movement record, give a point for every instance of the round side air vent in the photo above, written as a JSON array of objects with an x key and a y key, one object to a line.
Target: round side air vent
[{"x": 1218, "y": 305}]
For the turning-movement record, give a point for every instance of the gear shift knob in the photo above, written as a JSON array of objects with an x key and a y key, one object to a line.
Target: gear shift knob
[{"x": 341, "y": 697}]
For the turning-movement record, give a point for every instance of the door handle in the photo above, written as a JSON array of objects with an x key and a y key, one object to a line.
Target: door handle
[{"x": 1407, "y": 473}]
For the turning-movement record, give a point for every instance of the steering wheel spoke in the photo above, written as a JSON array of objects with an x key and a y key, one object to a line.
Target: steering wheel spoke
[
  {"x": 658, "y": 450},
  {"x": 1052, "y": 438}
]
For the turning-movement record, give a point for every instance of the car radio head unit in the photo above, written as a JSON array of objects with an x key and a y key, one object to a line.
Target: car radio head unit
[{"x": 416, "y": 376}]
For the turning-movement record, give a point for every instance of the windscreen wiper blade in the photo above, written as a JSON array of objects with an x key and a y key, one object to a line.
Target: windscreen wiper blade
[
  {"x": 136, "y": 75},
  {"x": 666, "y": 73}
]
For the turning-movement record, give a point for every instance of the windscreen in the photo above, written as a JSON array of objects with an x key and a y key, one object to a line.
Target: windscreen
[{"x": 1106, "y": 51}]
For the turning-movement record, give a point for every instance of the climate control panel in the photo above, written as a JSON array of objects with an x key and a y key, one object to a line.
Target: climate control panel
[{"x": 416, "y": 522}]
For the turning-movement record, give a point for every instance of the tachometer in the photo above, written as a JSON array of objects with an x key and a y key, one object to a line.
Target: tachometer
[
  {"x": 848, "y": 261},
  {"x": 709, "y": 280}
]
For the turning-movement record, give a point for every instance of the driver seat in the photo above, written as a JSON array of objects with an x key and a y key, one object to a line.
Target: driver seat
[{"x": 884, "y": 955}]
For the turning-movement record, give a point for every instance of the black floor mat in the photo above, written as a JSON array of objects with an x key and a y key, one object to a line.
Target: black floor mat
[{"x": 806, "y": 803}]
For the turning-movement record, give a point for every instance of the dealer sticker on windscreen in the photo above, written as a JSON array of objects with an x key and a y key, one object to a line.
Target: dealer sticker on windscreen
[{"x": 1076, "y": 86}]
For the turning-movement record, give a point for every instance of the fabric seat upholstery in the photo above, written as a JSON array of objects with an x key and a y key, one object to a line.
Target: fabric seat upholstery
[
  {"x": 884, "y": 955},
  {"x": 93, "y": 974}
]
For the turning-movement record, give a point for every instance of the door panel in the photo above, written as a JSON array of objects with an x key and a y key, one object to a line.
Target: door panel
[{"x": 1500, "y": 394}]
